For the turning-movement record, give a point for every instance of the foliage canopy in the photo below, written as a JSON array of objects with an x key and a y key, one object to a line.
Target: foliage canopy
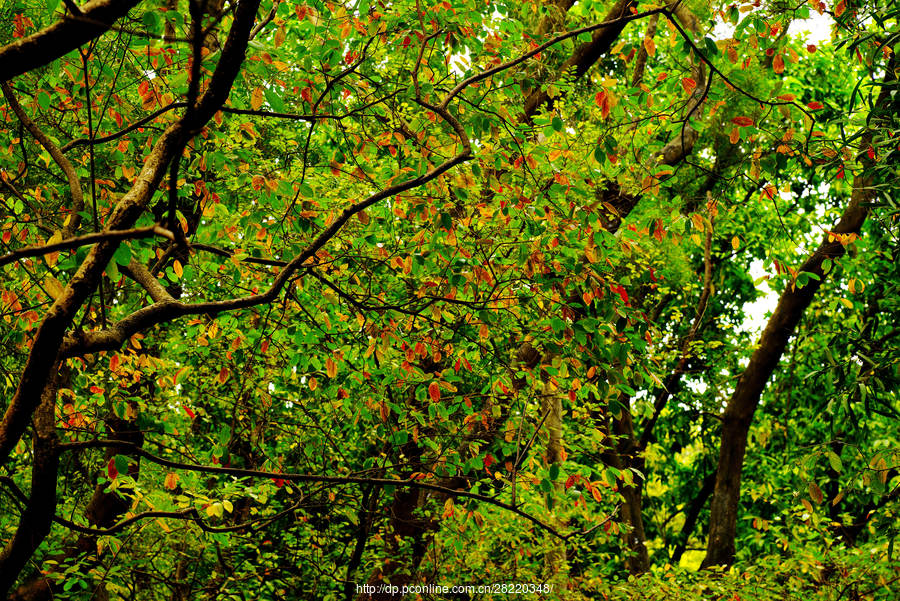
[{"x": 298, "y": 297}]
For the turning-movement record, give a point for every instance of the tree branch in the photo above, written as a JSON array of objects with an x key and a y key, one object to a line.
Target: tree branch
[
  {"x": 44, "y": 249},
  {"x": 58, "y": 157},
  {"x": 295, "y": 477},
  {"x": 50, "y": 43}
]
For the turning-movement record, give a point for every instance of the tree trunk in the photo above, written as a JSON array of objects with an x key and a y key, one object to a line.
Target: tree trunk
[
  {"x": 793, "y": 302},
  {"x": 555, "y": 563},
  {"x": 38, "y": 512}
]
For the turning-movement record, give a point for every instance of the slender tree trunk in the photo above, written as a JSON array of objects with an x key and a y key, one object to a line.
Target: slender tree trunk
[
  {"x": 621, "y": 457},
  {"x": 793, "y": 302},
  {"x": 555, "y": 560},
  {"x": 739, "y": 412}
]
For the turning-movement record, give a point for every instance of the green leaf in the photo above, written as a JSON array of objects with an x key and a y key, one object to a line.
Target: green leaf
[
  {"x": 554, "y": 472},
  {"x": 122, "y": 255}
]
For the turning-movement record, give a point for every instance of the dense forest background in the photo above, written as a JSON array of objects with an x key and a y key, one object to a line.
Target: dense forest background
[{"x": 597, "y": 298}]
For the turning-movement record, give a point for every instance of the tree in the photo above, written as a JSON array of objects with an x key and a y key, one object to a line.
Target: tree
[{"x": 303, "y": 297}]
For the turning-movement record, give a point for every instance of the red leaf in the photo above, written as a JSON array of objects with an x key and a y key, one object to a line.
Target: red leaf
[
  {"x": 570, "y": 481},
  {"x": 190, "y": 413},
  {"x": 815, "y": 105},
  {"x": 434, "y": 391},
  {"x": 602, "y": 101},
  {"x": 742, "y": 121},
  {"x": 111, "y": 469},
  {"x": 810, "y": 48},
  {"x": 96, "y": 390},
  {"x": 279, "y": 482},
  {"x": 488, "y": 460}
]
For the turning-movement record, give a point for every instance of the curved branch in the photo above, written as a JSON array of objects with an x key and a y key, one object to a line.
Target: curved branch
[
  {"x": 80, "y": 343},
  {"x": 56, "y": 154},
  {"x": 578, "y": 59},
  {"x": 295, "y": 477},
  {"x": 143, "y": 121}
]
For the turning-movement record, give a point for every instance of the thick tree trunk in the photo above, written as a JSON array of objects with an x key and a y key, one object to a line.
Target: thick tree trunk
[{"x": 38, "y": 512}]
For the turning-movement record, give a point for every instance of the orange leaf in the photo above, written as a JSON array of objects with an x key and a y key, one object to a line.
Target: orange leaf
[
  {"x": 778, "y": 64},
  {"x": 171, "y": 481},
  {"x": 434, "y": 391},
  {"x": 223, "y": 375},
  {"x": 650, "y": 46},
  {"x": 734, "y": 136},
  {"x": 177, "y": 268},
  {"x": 688, "y": 84},
  {"x": 742, "y": 121},
  {"x": 330, "y": 367}
]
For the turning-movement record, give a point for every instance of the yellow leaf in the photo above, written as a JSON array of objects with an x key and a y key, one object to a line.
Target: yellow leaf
[
  {"x": 735, "y": 243},
  {"x": 177, "y": 268},
  {"x": 256, "y": 99},
  {"x": 53, "y": 287}
]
